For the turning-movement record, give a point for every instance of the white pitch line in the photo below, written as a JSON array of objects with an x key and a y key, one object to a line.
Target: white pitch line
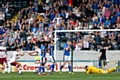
[{"x": 30, "y": 76}]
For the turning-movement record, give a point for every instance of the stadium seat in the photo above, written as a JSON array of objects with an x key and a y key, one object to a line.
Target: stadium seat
[
  {"x": 19, "y": 8},
  {"x": 14, "y": 3},
  {"x": 8, "y": 16}
]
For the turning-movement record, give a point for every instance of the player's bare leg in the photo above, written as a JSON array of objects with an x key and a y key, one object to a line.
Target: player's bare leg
[
  {"x": 19, "y": 67},
  {"x": 3, "y": 68}
]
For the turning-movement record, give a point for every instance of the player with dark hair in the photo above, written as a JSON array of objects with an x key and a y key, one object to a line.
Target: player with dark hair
[
  {"x": 14, "y": 57},
  {"x": 102, "y": 56},
  {"x": 94, "y": 70},
  {"x": 42, "y": 60},
  {"x": 37, "y": 54},
  {"x": 51, "y": 56}
]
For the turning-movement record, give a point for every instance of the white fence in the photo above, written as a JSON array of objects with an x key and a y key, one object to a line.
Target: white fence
[
  {"x": 77, "y": 55},
  {"x": 81, "y": 58}
]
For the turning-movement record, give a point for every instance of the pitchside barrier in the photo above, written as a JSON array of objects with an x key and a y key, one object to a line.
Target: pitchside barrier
[
  {"x": 80, "y": 59},
  {"x": 78, "y": 65}
]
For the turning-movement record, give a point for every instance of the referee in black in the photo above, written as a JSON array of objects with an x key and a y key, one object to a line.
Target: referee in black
[{"x": 102, "y": 57}]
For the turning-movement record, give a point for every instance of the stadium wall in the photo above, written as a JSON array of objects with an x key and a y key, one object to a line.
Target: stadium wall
[
  {"x": 81, "y": 58},
  {"x": 77, "y": 55}
]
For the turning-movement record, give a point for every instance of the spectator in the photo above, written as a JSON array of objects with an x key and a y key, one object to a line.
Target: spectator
[
  {"x": 110, "y": 45},
  {"x": 107, "y": 23},
  {"x": 22, "y": 44},
  {"x": 79, "y": 45},
  {"x": 1, "y": 39},
  {"x": 17, "y": 43},
  {"x": 34, "y": 29},
  {"x": 95, "y": 45},
  {"x": 3, "y": 8},
  {"x": 107, "y": 13},
  {"x": 118, "y": 13},
  {"x": 2, "y": 18},
  {"x": 22, "y": 34},
  {"x": 74, "y": 43},
  {"x": 85, "y": 44},
  {"x": 39, "y": 21},
  {"x": 118, "y": 40},
  {"x": 8, "y": 24},
  {"x": 97, "y": 38},
  {"x": 11, "y": 42},
  {"x": 29, "y": 44}
]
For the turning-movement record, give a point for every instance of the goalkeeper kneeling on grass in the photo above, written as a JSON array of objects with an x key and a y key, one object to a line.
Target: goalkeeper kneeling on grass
[{"x": 94, "y": 70}]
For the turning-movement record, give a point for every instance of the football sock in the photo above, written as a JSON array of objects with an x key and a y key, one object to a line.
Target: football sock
[
  {"x": 61, "y": 67},
  {"x": 7, "y": 67},
  {"x": 69, "y": 67},
  {"x": 43, "y": 69},
  {"x": 39, "y": 69},
  {"x": 20, "y": 70},
  {"x": 36, "y": 67},
  {"x": 52, "y": 67}
]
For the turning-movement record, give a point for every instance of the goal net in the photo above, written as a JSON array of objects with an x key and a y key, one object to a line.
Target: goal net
[{"x": 86, "y": 45}]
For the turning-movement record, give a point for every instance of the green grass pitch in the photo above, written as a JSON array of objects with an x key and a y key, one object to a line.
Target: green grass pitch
[{"x": 57, "y": 76}]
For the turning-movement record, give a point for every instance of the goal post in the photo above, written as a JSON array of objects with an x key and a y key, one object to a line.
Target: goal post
[
  {"x": 55, "y": 33},
  {"x": 89, "y": 31}
]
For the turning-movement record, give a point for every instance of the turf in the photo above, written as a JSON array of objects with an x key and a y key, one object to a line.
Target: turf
[{"x": 57, "y": 76}]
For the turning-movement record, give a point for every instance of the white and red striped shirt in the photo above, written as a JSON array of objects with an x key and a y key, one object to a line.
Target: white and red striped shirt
[{"x": 2, "y": 52}]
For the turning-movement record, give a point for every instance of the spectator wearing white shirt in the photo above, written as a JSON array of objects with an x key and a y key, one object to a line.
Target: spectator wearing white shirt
[
  {"x": 79, "y": 45},
  {"x": 57, "y": 18},
  {"x": 85, "y": 44}
]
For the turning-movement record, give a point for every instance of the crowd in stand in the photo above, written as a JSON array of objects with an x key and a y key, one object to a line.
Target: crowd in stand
[{"x": 37, "y": 23}]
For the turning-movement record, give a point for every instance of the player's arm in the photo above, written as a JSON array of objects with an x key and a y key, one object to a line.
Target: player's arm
[
  {"x": 53, "y": 43},
  {"x": 106, "y": 48},
  {"x": 21, "y": 54},
  {"x": 66, "y": 47},
  {"x": 43, "y": 50},
  {"x": 100, "y": 55},
  {"x": 33, "y": 53},
  {"x": 88, "y": 71}
]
